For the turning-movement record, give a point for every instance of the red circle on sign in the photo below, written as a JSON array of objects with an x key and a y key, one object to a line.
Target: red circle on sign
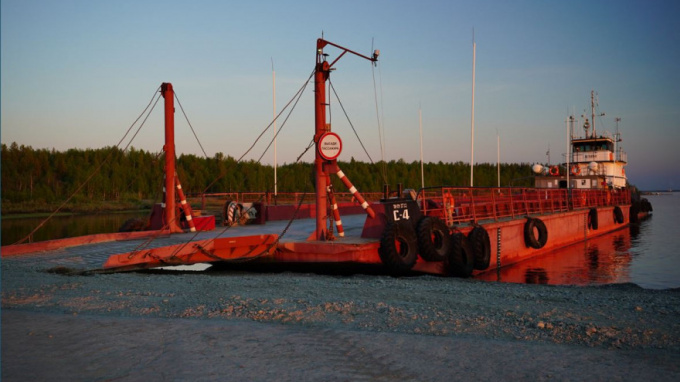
[{"x": 330, "y": 146}]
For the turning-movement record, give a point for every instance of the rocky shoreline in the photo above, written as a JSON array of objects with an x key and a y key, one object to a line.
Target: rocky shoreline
[{"x": 616, "y": 322}]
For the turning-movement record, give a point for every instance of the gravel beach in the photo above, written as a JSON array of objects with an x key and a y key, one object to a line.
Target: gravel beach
[{"x": 240, "y": 325}]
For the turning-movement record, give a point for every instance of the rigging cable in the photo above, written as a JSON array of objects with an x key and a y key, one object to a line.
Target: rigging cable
[
  {"x": 156, "y": 96},
  {"x": 265, "y": 130},
  {"x": 192, "y": 128},
  {"x": 350, "y": 123},
  {"x": 381, "y": 132},
  {"x": 285, "y": 120},
  {"x": 296, "y": 97}
]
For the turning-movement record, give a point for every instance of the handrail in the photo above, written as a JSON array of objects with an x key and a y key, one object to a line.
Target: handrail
[
  {"x": 271, "y": 199},
  {"x": 456, "y": 205}
]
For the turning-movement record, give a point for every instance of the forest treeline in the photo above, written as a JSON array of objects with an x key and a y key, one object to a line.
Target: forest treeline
[{"x": 110, "y": 174}]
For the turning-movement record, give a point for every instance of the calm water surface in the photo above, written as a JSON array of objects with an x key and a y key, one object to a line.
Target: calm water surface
[
  {"x": 60, "y": 227},
  {"x": 646, "y": 255}
]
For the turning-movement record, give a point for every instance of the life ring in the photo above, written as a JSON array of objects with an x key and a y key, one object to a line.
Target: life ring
[
  {"x": 398, "y": 247},
  {"x": 531, "y": 228},
  {"x": 554, "y": 171},
  {"x": 592, "y": 219},
  {"x": 231, "y": 213},
  {"x": 481, "y": 247},
  {"x": 434, "y": 240},
  {"x": 461, "y": 259},
  {"x": 575, "y": 170},
  {"x": 618, "y": 215}
]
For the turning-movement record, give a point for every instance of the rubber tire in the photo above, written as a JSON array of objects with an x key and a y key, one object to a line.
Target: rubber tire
[
  {"x": 398, "y": 247},
  {"x": 461, "y": 258},
  {"x": 481, "y": 247},
  {"x": 592, "y": 219},
  {"x": 530, "y": 239},
  {"x": 618, "y": 215},
  {"x": 633, "y": 212},
  {"x": 434, "y": 240}
]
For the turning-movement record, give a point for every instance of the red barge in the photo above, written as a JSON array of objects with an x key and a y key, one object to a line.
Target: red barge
[{"x": 458, "y": 231}]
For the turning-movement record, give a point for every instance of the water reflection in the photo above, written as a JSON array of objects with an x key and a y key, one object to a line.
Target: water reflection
[
  {"x": 536, "y": 276},
  {"x": 602, "y": 260},
  {"x": 65, "y": 226}
]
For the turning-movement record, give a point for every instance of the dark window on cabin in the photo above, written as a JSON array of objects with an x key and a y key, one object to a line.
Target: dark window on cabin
[
  {"x": 594, "y": 146},
  {"x": 563, "y": 184}
]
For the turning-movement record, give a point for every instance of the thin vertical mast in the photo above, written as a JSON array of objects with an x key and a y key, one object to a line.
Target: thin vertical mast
[
  {"x": 568, "y": 151},
  {"x": 498, "y": 157},
  {"x": 472, "y": 127},
  {"x": 274, "y": 97},
  {"x": 422, "y": 174},
  {"x": 592, "y": 113}
]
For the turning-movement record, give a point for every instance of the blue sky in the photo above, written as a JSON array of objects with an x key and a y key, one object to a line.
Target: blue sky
[{"x": 78, "y": 73}]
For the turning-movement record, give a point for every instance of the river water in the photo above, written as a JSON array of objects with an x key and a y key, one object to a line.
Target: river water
[
  {"x": 59, "y": 227},
  {"x": 646, "y": 255}
]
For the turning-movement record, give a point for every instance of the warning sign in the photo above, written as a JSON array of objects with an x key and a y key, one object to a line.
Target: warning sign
[{"x": 330, "y": 146}]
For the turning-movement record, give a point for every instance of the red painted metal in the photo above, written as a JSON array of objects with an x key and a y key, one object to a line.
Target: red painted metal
[
  {"x": 169, "y": 148},
  {"x": 204, "y": 251},
  {"x": 320, "y": 127},
  {"x": 50, "y": 245},
  {"x": 186, "y": 208},
  {"x": 473, "y": 205},
  {"x": 334, "y": 207},
  {"x": 320, "y": 77}
]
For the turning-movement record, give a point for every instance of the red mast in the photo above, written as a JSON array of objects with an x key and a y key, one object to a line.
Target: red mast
[
  {"x": 169, "y": 148},
  {"x": 323, "y": 69}
]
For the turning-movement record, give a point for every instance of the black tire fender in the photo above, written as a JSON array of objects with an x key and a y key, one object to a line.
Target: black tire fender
[
  {"x": 481, "y": 247},
  {"x": 398, "y": 247},
  {"x": 633, "y": 212},
  {"x": 592, "y": 219},
  {"x": 618, "y": 215},
  {"x": 434, "y": 240},
  {"x": 461, "y": 259},
  {"x": 531, "y": 227}
]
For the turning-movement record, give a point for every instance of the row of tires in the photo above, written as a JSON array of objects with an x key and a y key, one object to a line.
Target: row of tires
[
  {"x": 593, "y": 220},
  {"x": 642, "y": 205},
  {"x": 401, "y": 244}
]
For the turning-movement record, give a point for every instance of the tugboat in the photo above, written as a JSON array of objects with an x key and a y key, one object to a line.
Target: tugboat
[{"x": 594, "y": 161}]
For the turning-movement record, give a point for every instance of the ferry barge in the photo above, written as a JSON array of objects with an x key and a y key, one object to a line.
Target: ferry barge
[{"x": 457, "y": 231}]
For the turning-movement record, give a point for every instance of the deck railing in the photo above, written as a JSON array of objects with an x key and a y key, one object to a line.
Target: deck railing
[
  {"x": 217, "y": 200},
  {"x": 457, "y": 205}
]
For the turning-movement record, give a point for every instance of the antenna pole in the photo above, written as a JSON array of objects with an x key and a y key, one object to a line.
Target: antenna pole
[
  {"x": 472, "y": 126},
  {"x": 422, "y": 174},
  {"x": 592, "y": 113},
  {"x": 566, "y": 122},
  {"x": 498, "y": 157},
  {"x": 274, "y": 113},
  {"x": 616, "y": 138}
]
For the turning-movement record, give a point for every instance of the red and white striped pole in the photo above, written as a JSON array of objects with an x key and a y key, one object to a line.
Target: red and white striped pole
[
  {"x": 185, "y": 207},
  {"x": 355, "y": 193},
  {"x": 334, "y": 208}
]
